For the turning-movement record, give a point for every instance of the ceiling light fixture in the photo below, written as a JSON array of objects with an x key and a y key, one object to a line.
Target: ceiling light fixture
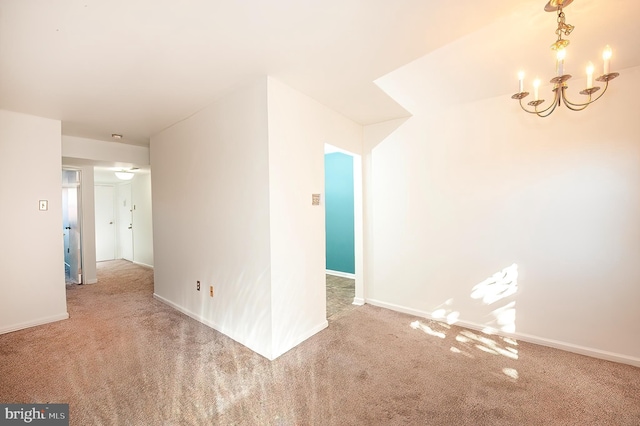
[
  {"x": 560, "y": 81},
  {"x": 124, "y": 175},
  {"x": 116, "y": 136}
]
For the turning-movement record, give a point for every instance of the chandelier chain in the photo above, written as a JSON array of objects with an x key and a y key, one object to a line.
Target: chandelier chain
[{"x": 561, "y": 22}]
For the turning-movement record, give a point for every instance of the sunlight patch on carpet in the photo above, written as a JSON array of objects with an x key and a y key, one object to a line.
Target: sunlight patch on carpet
[
  {"x": 511, "y": 372},
  {"x": 417, "y": 325}
]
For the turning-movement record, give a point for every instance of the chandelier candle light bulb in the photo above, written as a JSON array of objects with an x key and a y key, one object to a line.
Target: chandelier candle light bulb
[
  {"x": 560, "y": 57},
  {"x": 536, "y": 85},
  {"x": 606, "y": 57},
  {"x": 590, "y": 75},
  {"x": 521, "y": 81}
]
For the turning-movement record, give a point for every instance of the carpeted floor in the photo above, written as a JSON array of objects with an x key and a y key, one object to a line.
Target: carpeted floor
[
  {"x": 124, "y": 358},
  {"x": 340, "y": 294}
]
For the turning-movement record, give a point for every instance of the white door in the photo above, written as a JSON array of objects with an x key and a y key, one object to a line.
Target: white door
[
  {"x": 125, "y": 222},
  {"x": 105, "y": 223}
]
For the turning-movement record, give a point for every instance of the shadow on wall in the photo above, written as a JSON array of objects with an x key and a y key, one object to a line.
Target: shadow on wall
[
  {"x": 502, "y": 318},
  {"x": 496, "y": 288}
]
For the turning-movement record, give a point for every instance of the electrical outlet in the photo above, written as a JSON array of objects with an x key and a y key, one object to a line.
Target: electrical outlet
[
  {"x": 198, "y": 285},
  {"x": 211, "y": 291}
]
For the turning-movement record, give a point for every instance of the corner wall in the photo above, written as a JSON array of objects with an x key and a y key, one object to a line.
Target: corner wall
[
  {"x": 232, "y": 189},
  {"x": 211, "y": 216},
  {"x": 142, "y": 219},
  {"x": 32, "y": 263},
  {"x": 458, "y": 195},
  {"x": 298, "y": 129}
]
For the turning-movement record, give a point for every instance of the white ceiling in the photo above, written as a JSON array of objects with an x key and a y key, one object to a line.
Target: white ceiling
[{"x": 137, "y": 66}]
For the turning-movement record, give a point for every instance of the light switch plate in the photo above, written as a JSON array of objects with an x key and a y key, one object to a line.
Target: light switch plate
[
  {"x": 315, "y": 199},
  {"x": 44, "y": 205}
]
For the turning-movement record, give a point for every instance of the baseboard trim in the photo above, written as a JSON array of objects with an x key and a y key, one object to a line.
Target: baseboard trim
[
  {"x": 143, "y": 264},
  {"x": 304, "y": 336},
  {"x": 358, "y": 301},
  {"x": 569, "y": 347},
  {"x": 93, "y": 281},
  {"x": 340, "y": 274},
  {"x": 313, "y": 330},
  {"x": 34, "y": 323},
  {"x": 206, "y": 322}
]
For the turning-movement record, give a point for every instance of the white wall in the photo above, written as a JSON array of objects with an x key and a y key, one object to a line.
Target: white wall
[
  {"x": 89, "y": 272},
  {"x": 372, "y": 136},
  {"x": 32, "y": 263},
  {"x": 299, "y": 127},
  {"x": 458, "y": 195},
  {"x": 104, "y": 152},
  {"x": 142, "y": 219},
  {"x": 211, "y": 216}
]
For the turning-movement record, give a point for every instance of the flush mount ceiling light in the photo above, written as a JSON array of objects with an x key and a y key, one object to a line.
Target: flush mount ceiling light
[
  {"x": 116, "y": 136},
  {"x": 560, "y": 81},
  {"x": 124, "y": 175}
]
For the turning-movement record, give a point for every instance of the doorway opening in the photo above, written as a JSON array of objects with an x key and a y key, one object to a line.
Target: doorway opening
[
  {"x": 72, "y": 225},
  {"x": 114, "y": 222},
  {"x": 343, "y": 230}
]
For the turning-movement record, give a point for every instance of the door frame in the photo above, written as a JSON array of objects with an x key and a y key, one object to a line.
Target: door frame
[
  {"x": 358, "y": 222},
  {"x": 79, "y": 221}
]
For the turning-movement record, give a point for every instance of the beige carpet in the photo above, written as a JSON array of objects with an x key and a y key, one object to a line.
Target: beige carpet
[
  {"x": 340, "y": 294},
  {"x": 125, "y": 359}
]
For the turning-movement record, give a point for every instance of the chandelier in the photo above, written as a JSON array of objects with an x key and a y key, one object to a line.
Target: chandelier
[{"x": 560, "y": 81}]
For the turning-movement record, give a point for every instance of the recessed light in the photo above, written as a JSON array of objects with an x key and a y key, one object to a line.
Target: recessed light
[{"x": 116, "y": 136}]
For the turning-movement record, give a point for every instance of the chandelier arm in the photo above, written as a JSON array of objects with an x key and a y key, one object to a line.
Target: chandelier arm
[
  {"x": 524, "y": 109},
  {"x": 547, "y": 112},
  {"x": 572, "y": 107},
  {"x": 535, "y": 111},
  {"x": 570, "y": 104},
  {"x": 550, "y": 109}
]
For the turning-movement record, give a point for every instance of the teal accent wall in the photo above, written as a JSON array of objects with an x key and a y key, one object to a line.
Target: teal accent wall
[{"x": 338, "y": 200}]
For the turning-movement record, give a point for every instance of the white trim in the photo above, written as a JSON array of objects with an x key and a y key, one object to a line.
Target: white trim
[
  {"x": 358, "y": 226},
  {"x": 399, "y": 308},
  {"x": 569, "y": 347},
  {"x": 331, "y": 149},
  {"x": 340, "y": 274},
  {"x": 34, "y": 323},
  {"x": 229, "y": 333},
  {"x": 142, "y": 264},
  {"x": 204, "y": 321},
  {"x": 94, "y": 281},
  {"x": 358, "y": 301},
  {"x": 304, "y": 336}
]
